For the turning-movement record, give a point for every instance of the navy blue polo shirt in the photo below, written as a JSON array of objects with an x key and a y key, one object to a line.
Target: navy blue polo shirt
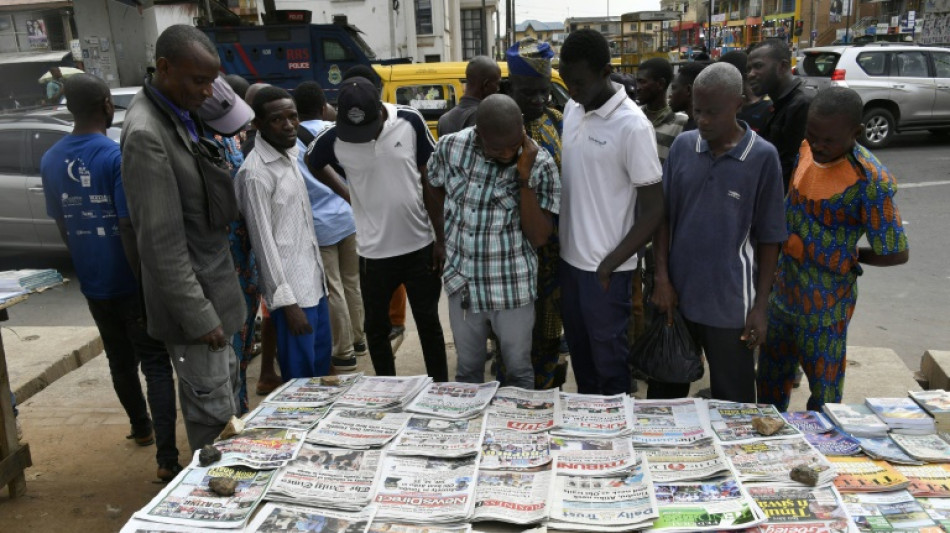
[{"x": 719, "y": 210}]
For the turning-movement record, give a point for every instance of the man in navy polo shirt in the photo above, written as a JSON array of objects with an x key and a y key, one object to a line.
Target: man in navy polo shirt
[{"x": 718, "y": 251}]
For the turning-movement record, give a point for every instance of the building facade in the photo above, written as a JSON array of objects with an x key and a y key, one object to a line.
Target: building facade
[{"x": 552, "y": 33}]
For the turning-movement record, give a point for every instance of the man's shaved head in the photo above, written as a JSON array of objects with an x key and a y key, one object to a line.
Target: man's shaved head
[
  {"x": 498, "y": 114},
  {"x": 482, "y": 76},
  {"x": 86, "y": 96},
  {"x": 252, "y": 91}
]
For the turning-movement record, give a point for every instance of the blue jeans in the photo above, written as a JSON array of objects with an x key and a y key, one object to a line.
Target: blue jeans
[{"x": 304, "y": 356}]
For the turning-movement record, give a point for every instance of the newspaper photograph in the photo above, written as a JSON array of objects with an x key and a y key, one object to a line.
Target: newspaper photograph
[
  {"x": 809, "y": 421},
  {"x": 426, "y": 489},
  {"x": 718, "y": 504},
  {"x": 937, "y": 508},
  {"x": 514, "y": 497},
  {"x": 438, "y": 437},
  {"x": 773, "y": 460},
  {"x": 593, "y": 457},
  {"x": 672, "y": 422},
  {"x": 382, "y": 392},
  {"x": 604, "y": 504},
  {"x": 188, "y": 500},
  {"x": 394, "y": 527},
  {"x": 517, "y": 409},
  {"x": 302, "y": 417},
  {"x": 696, "y": 461},
  {"x": 885, "y": 449},
  {"x": 453, "y": 399},
  {"x": 732, "y": 422},
  {"x": 514, "y": 450},
  {"x": 261, "y": 448},
  {"x": 593, "y": 415},
  {"x": 358, "y": 428},
  {"x": 283, "y": 518},
  {"x": 327, "y": 477},
  {"x": 889, "y": 511},
  {"x": 312, "y": 391},
  {"x": 929, "y": 448},
  {"x": 795, "y": 509}
]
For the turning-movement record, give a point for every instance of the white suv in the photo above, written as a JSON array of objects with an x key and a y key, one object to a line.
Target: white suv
[{"x": 904, "y": 87}]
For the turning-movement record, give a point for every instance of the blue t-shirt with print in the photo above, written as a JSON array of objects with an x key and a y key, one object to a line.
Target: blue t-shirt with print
[{"x": 82, "y": 181}]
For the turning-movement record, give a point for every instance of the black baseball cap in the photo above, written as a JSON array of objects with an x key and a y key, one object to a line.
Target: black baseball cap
[{"x": 358, "y": 111}]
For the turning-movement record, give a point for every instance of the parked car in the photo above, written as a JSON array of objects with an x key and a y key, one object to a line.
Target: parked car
[
  {"x": 25, "y": 137},
  {"x": 904, "y": 87},
  {"x": 121, "y": 97}
]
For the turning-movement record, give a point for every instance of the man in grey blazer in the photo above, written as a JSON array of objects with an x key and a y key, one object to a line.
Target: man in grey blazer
[{"x": 180, "y": 201}]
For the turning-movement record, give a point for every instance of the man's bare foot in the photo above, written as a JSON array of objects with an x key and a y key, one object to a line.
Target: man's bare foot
[{"x": 266, "y": 385}]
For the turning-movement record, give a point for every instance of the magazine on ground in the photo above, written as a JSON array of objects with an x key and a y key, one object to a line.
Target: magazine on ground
[
  {"x": 300, "y": 417},
  {"x": 439, "y": 437},
  {"x": 453, "y": 400},
  {"x": 514, "y": 497},
  {"x": 719, "y": 504},
  {"x": 860, "y": 474},
  {"x": 670, "y": 422},
  {"x": 327, "y": 477},
  {"x": 260, "y": 448},
  {"x": 283, "y": 517},
  {"x": 773, "y": 460},
  {"x": 518, "y": 409},
  {"x": 594, "y": 416},
  {"x": 358, "y": 428},
  {"x": 426, "y": 489},
  {"x": 732, "y": 422},
  {"x": 312, "y": 391},
  {"x": 514, "y": 450},
  {"x": 856, "y": 420},
  {"x": 382, "y": 392},
  {"x": 895, "y": 511}
]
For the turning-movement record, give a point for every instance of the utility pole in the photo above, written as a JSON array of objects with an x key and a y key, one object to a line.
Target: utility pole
[
  {"x": 847, "y": 27},
  {"x": 709, "y": 37},
  {"x": 484, "y": 29}
]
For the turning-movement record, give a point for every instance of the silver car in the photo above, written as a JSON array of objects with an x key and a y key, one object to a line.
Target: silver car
[{"x": 904, "y": 87}]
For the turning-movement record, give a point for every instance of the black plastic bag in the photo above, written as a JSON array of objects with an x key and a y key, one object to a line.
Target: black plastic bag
[{"x": 667, "y": 353}]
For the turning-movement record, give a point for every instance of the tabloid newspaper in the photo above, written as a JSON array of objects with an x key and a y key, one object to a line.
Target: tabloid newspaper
[
  {"x": 358, "y": 428},
  {"x": 616, "y": 503},
  {"x": 937, "y": 508},
  {"x": 515, "y": 497},
  {"x": 453, "y": 400},
  {"x": 518, "y": 409},
  {"x": 261, "y": 448},
  {"x": 302, "y": 417},
  {"x": 732, "y": 422},
  {"x": 860, "y": 474},
  {"x": 381, "y": 526},
  {"x": 673, "y": 422},
  {"x": 592, "y": 415},
  {"x": 282, "y": 518},
  {"x": 382, "y": 392},
  {"x": 773, "y": 460},
  {"x": 885, "y": 449},
  {"x": 834, "y": 443},
  {"x": 438, "y": 437},
  {"x": 327, "y": 477},
  {"x": 188, "y": 501},
  {"x": 593, "y": 457},
  {"x": 895, "y": 511},
  {"x": 809, "y": 421},
  {"x": 719, "y": 504},
  {"x": 514, "y": 450},
  {"x": 927, "y": 480},
  {"x": 312, "y": 391},
  {"x": 800, "y": 509},
  {"x": 929, "y": 448},
  {"x": 700, "y": 460},
  {"x": 426, "y": 489}
]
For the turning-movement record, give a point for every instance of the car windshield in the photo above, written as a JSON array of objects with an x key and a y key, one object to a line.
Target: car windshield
[
  {"x": 820, "y": 64},
  {"x": 370, "y": 54}
]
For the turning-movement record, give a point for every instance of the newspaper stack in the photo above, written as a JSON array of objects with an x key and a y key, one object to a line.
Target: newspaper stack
[
  {"x": 358, "y": 428},
  {"x": 438, "y": 437},
  {"x": 518, "y": 409},
  {"x": 514, "y": 450},
  {"x": 301, "y": 417},
  {"x": 594, "y": 416},
  {"x": 927, "y": 448},
  {"x": 327, "y": 477},
  {"x": 799, "y": 509},
  {"x": 937, "y": 405},
  {"x": 773, "y": 460},
  {"x": 279, "y": 517},
  {"x": 615, "y": 503},
  {"x": 514, "y": 497},
  {"x": 453, "y": 400},
  {"x": 594, "y": 457},
  {"x": 670, "y": 422},
  {"x": 885, "y": 449},
  {"x": 719, "y": 504},
  {"x": 902, "y": 415},
  {"x": 382, "y": 526},
  {"x": 312, "y": 391},
  {"x": 261, "y": 448},
  {"x": 732, "y": 422},
  {"x": 859, "y": 474},
  {"x": 701, "y": 460},
  {"x": 382, "y": 392},
  {"x": 426, "y": 489},
  {"x": 928, "y": 480},
  {"x": 856, "y": 420},
  {"x": 889, "y": 511}
]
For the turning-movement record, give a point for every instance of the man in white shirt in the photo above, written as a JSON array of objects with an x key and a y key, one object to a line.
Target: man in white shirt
[
  {"x": 273, "y": 199},
  {"x": 608, "y": 159}
]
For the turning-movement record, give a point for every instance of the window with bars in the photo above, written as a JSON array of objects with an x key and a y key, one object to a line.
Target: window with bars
[
  {"x": 424, "y": 17},
  {"x": 471, "y": 33}
]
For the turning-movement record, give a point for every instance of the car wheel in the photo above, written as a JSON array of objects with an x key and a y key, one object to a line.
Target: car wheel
[{"x": 878, "y": 128}]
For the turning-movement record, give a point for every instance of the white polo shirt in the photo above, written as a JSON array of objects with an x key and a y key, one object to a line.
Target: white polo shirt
[
  {"x": 605, "y": 155},
  {"x": 385, "y": 182}
]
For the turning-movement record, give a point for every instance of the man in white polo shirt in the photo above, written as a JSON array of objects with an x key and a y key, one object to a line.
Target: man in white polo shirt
[
  {"x": 382, "y": 150},
  {"x": 608, "y": 159}
]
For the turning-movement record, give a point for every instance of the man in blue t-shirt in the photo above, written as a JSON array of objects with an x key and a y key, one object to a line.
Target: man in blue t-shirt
[{"x": 83, "y": 187}]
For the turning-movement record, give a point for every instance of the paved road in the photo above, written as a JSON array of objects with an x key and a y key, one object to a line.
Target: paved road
[{"x": 903, "y": 308}]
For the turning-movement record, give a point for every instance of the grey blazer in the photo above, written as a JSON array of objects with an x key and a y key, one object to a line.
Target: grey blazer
[{"x": 188, "y": 277}]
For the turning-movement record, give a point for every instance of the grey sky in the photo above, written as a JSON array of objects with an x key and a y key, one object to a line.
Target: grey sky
[{"x": 558, "y": 10}]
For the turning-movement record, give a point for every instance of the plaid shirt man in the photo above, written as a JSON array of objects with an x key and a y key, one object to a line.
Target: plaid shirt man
[{"x": 486, "y": 251}]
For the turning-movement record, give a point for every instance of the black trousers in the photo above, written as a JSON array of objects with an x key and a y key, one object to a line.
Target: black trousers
[
  {"x": 731, "y": 367},
  {"x": 127, "y": 343},
  {"x": 379, "y": 279}
]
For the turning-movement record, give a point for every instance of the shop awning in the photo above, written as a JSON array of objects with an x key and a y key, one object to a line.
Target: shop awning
[{"x": 686, "y": 26}]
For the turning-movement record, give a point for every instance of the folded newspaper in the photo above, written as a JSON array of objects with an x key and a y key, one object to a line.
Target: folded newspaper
[
  {"x": 327, "y": 477},
  {"x": 358, "y": 428},
  {"x": 426, "y": 489},
  {"x": 261, "y": 448},
  {"x": 594, "y": 416},
  {"x": 773, "y": 460},
  {"x": 927, "y": 448},
  {"x": 300, "y": 417},
  {"x": 885, "y": 449},
  {"x": 382, "y": 392},
  {"x": 282, "y": 517},
  {"x": 438, "y": 437},
  {"x": 593, "y": 456},
  {"x": 518, "y": 409},
  {"x": 895, "y": 511},
  {"x": 670, "y": 422},
  {"x": 312, "y": 391},
  {"x": 514, "y": 497},
  {"x": 800, "y": 509},
  {"x": 732, "y": 422},
  {"x": 514, "y": 450},
  {"x": 453, "y": 400},
  {"x": 719, "y": 504},
  {"x": 700, "y": 460}
]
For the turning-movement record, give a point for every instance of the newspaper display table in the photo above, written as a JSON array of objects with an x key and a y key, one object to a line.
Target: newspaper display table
[{"x": 14, "y": 456}]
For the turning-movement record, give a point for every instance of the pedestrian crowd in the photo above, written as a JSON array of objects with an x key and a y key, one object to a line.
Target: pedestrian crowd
[{"x": 728, "y": 195}]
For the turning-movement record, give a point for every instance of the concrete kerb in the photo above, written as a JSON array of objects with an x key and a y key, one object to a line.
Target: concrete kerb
[{"x": 38, "y": 356}]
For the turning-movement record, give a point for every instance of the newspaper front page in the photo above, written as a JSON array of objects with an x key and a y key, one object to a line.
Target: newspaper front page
[
  {"x": 718, "y": 504},
  {"x": 261, "y": 448},
  {"x": 358, "y": 428},
  {"x": 517, "y": 409},
  {"x": 593, "y": 457},
  {"x": 732, "y": 422},
  {"x": 302, "y": 417},
  {"x": 670, "y": 422},
  {"x": 889, "y": 511},
  {"x": 426, "y": 489},
  {"x": 514, "y": 497},
  {"x": 796, "y": 509},
  {"x": 382, "y": 392},
  {"x": 283, "y": 518},
  {"x": 312, "y": 391},
  {"x": 327, "y": 477},
  {"x": 700, "y": 460},
  {"x": 438, "y": 437},
  {"x": 773, "y": 460},
  {"x": 514, "y": 450},
  {"x": 453, "y": 399},
  {"x": 593, "y": 415}
]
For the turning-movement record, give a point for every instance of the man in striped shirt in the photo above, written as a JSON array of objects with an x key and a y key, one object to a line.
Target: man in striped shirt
[{"x": 653, "y": 80}]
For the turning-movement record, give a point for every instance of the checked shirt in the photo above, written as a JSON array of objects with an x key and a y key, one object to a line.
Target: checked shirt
[{"x": 485, "y": 248}]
